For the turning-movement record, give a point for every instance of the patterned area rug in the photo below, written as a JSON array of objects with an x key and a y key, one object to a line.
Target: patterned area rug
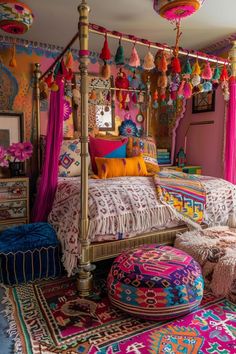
[{"x": 50, "y": 318}]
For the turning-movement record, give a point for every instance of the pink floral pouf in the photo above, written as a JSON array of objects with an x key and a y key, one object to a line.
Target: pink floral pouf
[{"x": 155, "y": 282}]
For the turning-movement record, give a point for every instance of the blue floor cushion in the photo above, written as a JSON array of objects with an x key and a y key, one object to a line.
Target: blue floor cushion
[{"x": 29, "y": 252}]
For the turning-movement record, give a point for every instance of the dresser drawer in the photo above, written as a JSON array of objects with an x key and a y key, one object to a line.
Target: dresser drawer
[
  {"x": 14, "y": 209},
  {"x": 4, "y": 226},
  {"x": 13, "y": 189}
]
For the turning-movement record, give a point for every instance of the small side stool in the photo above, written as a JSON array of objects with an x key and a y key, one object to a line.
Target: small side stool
[
  {"x": 29, "y": 252},
  {"x": 155, "y": 282}
]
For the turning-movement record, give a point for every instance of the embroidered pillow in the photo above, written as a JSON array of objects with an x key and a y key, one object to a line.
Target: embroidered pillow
[
  {"x": 132, "y": 166},
  {"x": 147, "y": 148},
  {"x": 99, "y": 147},
  {"x": 69, "y": 159}
]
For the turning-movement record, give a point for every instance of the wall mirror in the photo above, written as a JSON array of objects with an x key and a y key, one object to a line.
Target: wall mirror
[{"x": 101, "y": 105}]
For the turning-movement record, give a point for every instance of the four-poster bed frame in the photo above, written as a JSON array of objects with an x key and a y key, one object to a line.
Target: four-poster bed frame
[{"x": 99, "y": 251}]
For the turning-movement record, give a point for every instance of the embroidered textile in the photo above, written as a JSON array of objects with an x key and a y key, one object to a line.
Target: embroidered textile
[{"x": 116, "y": 205}]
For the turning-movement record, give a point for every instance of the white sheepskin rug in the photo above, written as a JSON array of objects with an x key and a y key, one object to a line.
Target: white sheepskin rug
[{"x": 215, "y": 250}]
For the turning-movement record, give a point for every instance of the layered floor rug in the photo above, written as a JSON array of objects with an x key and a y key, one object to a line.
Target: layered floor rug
[{"x": 48, "y": 317}]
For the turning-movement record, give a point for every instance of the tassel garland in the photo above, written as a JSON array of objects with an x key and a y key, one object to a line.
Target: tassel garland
[
  {"x": 120, "y": 55},
  {"x": 196, "y": 70},
  {"x": 134, "y": 59},
  {"x": 175, "y": 66},
  {"x": 224, "y": 74},
  {"x": 216, "y": 75}
]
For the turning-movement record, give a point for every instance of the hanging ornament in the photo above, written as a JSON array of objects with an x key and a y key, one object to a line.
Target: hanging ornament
[
  {"x": 216, "y": 75},
  {"x": 140, "y": 97},
  {"x": 93, "y": 95},
  {"x": 187, "y": 70},
  {"x": 207, "y": 72},
  {"x": 105, "y": 55},
  {"x": 176, "y": 9},
  {"x": 196, "y": 70},
  {"x": 120, "y": 55},
  {"x": 69, "y": 60},
  {"x": 162, "y": 81},
  {"x": 54, "y": 86},
  {"x": 207, "y": 86},
  {"x": 175, "y": 66},
  {"x": 69, "y": 75},
  {"x": 224, "y": 74},
  {"x": 15, "y": 17},
  {"x": 187, "y": 91},
  {"x": 163, "y": 63},
  {"x": 121, "y": 82},
  {"x": 12, "y": 62},
  {"x": 134, "y": 58},
  {"x": 148, "y": 61},
  {"x": 196, "y": 80}
]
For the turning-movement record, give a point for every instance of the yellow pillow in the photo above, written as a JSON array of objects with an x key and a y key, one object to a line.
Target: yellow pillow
[{"x": 119, "y": 167}]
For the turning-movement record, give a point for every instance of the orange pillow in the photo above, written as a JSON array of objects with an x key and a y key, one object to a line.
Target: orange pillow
[{"x": 119, "y": 167}]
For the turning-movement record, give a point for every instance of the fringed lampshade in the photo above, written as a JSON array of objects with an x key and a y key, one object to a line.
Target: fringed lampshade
[
  {"x": 15, "y": 17},
  {"x": 176, "y": 9}
]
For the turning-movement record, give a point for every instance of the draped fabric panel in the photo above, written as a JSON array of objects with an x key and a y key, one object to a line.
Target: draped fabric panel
[
  {"x": 48, "y": 181},
  {"x": 230, "y": 149}
]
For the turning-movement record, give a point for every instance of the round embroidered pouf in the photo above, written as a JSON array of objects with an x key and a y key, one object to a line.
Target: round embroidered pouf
[{"x": 155, "y": 282}]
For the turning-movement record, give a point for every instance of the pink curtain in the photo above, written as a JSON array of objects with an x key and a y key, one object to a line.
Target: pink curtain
[
  {"x": 230, "y": 149},
  {"x": 48, "y": 181}
]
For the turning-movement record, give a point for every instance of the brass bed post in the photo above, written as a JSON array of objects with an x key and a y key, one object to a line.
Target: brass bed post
[
  {"x": 84, "y": 279},
  {"x": 36, "y": 137}
]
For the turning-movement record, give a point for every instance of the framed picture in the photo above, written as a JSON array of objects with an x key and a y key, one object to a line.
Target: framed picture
[
  {"x": 11, "y": 128},
  {"x": 203, "y": 102}
]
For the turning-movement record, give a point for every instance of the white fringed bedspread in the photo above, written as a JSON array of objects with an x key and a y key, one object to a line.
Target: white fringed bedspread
[{"x": 126, "y": 205}]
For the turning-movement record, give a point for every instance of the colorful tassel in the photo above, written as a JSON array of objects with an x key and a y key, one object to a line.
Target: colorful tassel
[
  {"x": 69, "y": 60},
  {"x": 181, "y": 89},
  {"x": 148, "y": 61},
  {"x": 207, "y": 86},
  {"x": 187, "y": 71},
  {"x": 187, "y": 91},
  {"x": 105, "y": 71},
  {"x": 134, "y": 59},
  {"x": 224, "y": 74},
  {"x": 105, "y": 53},
  {"x": 175, "y": 66},
  {"x": 216, "y": 75},
  {"x": 196, "y": 79},
  {"x": 163, "y": 63},
  {"x": 49, "y": 80},
  {"x": 69, "y": 75},
  {"x": 93, "y": 95},
  {"x": 207, "y": 72},
  {"x": 120, "y": 55},
  {"x": 12, "y": 62},
  {"x": 162, "y": 81},
  {"x": 196, "y": 70}
]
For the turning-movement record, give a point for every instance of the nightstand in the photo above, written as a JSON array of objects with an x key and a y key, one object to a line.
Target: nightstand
[{"x": 14, "y": 202}]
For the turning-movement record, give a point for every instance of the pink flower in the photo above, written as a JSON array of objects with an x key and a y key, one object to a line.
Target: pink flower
[
  {"x": 20, "y": 151},
  {"x": 3, "y": 157}
]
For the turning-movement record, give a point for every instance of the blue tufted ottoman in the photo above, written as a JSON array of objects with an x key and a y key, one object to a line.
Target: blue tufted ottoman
[
  {"x": 155, "y": 282},
  {"x": 29, "y": 252}
]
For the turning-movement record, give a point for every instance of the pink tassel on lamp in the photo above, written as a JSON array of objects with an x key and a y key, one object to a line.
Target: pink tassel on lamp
[
  {"x": 134, "y": 59},
  {"x": 207, "y": 72}
]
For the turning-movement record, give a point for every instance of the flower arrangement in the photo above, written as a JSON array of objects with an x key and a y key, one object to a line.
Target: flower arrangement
[{"x": 17, "y": 152}]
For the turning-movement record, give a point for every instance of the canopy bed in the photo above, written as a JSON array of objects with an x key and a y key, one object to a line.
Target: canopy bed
[{"x": 90, "y": 252}]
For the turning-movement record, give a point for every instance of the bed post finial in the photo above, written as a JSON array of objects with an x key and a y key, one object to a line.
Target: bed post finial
[
  {"x": 232, "y": 58},
  {"x": 84, "y": 279}
]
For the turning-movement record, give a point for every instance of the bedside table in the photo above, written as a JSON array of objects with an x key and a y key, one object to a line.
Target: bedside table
[{"x": 14, "y": 202}]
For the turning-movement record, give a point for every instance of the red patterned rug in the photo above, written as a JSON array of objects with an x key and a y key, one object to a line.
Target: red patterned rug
[{"x": 50, "y": 318}]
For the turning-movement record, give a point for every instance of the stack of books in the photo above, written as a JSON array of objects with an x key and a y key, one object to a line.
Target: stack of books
[{"x": 163, "y": 157}]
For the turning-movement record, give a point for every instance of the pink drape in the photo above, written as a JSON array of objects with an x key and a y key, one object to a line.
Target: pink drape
[
  {"x": 230, "y": 149},
  {"x": 48, "y": 181}
]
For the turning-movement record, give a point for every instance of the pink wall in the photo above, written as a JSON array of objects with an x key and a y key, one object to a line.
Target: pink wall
[{"x": 204, "y": 142}]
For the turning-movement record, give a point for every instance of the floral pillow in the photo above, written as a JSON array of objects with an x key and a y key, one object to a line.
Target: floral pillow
[{"x": 69, "y": 159}]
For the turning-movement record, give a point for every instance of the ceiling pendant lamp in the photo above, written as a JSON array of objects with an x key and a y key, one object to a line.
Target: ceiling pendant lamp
[
  {"x": 15, "y": 17},
  {"x": 174, "y": 10}
]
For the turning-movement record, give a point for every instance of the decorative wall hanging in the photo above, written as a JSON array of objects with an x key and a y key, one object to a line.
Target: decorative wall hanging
[
  {"x": 176, "y": 9},
  {"x": 8, "y": 88},
  {"x": 15, "y": 17}
]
